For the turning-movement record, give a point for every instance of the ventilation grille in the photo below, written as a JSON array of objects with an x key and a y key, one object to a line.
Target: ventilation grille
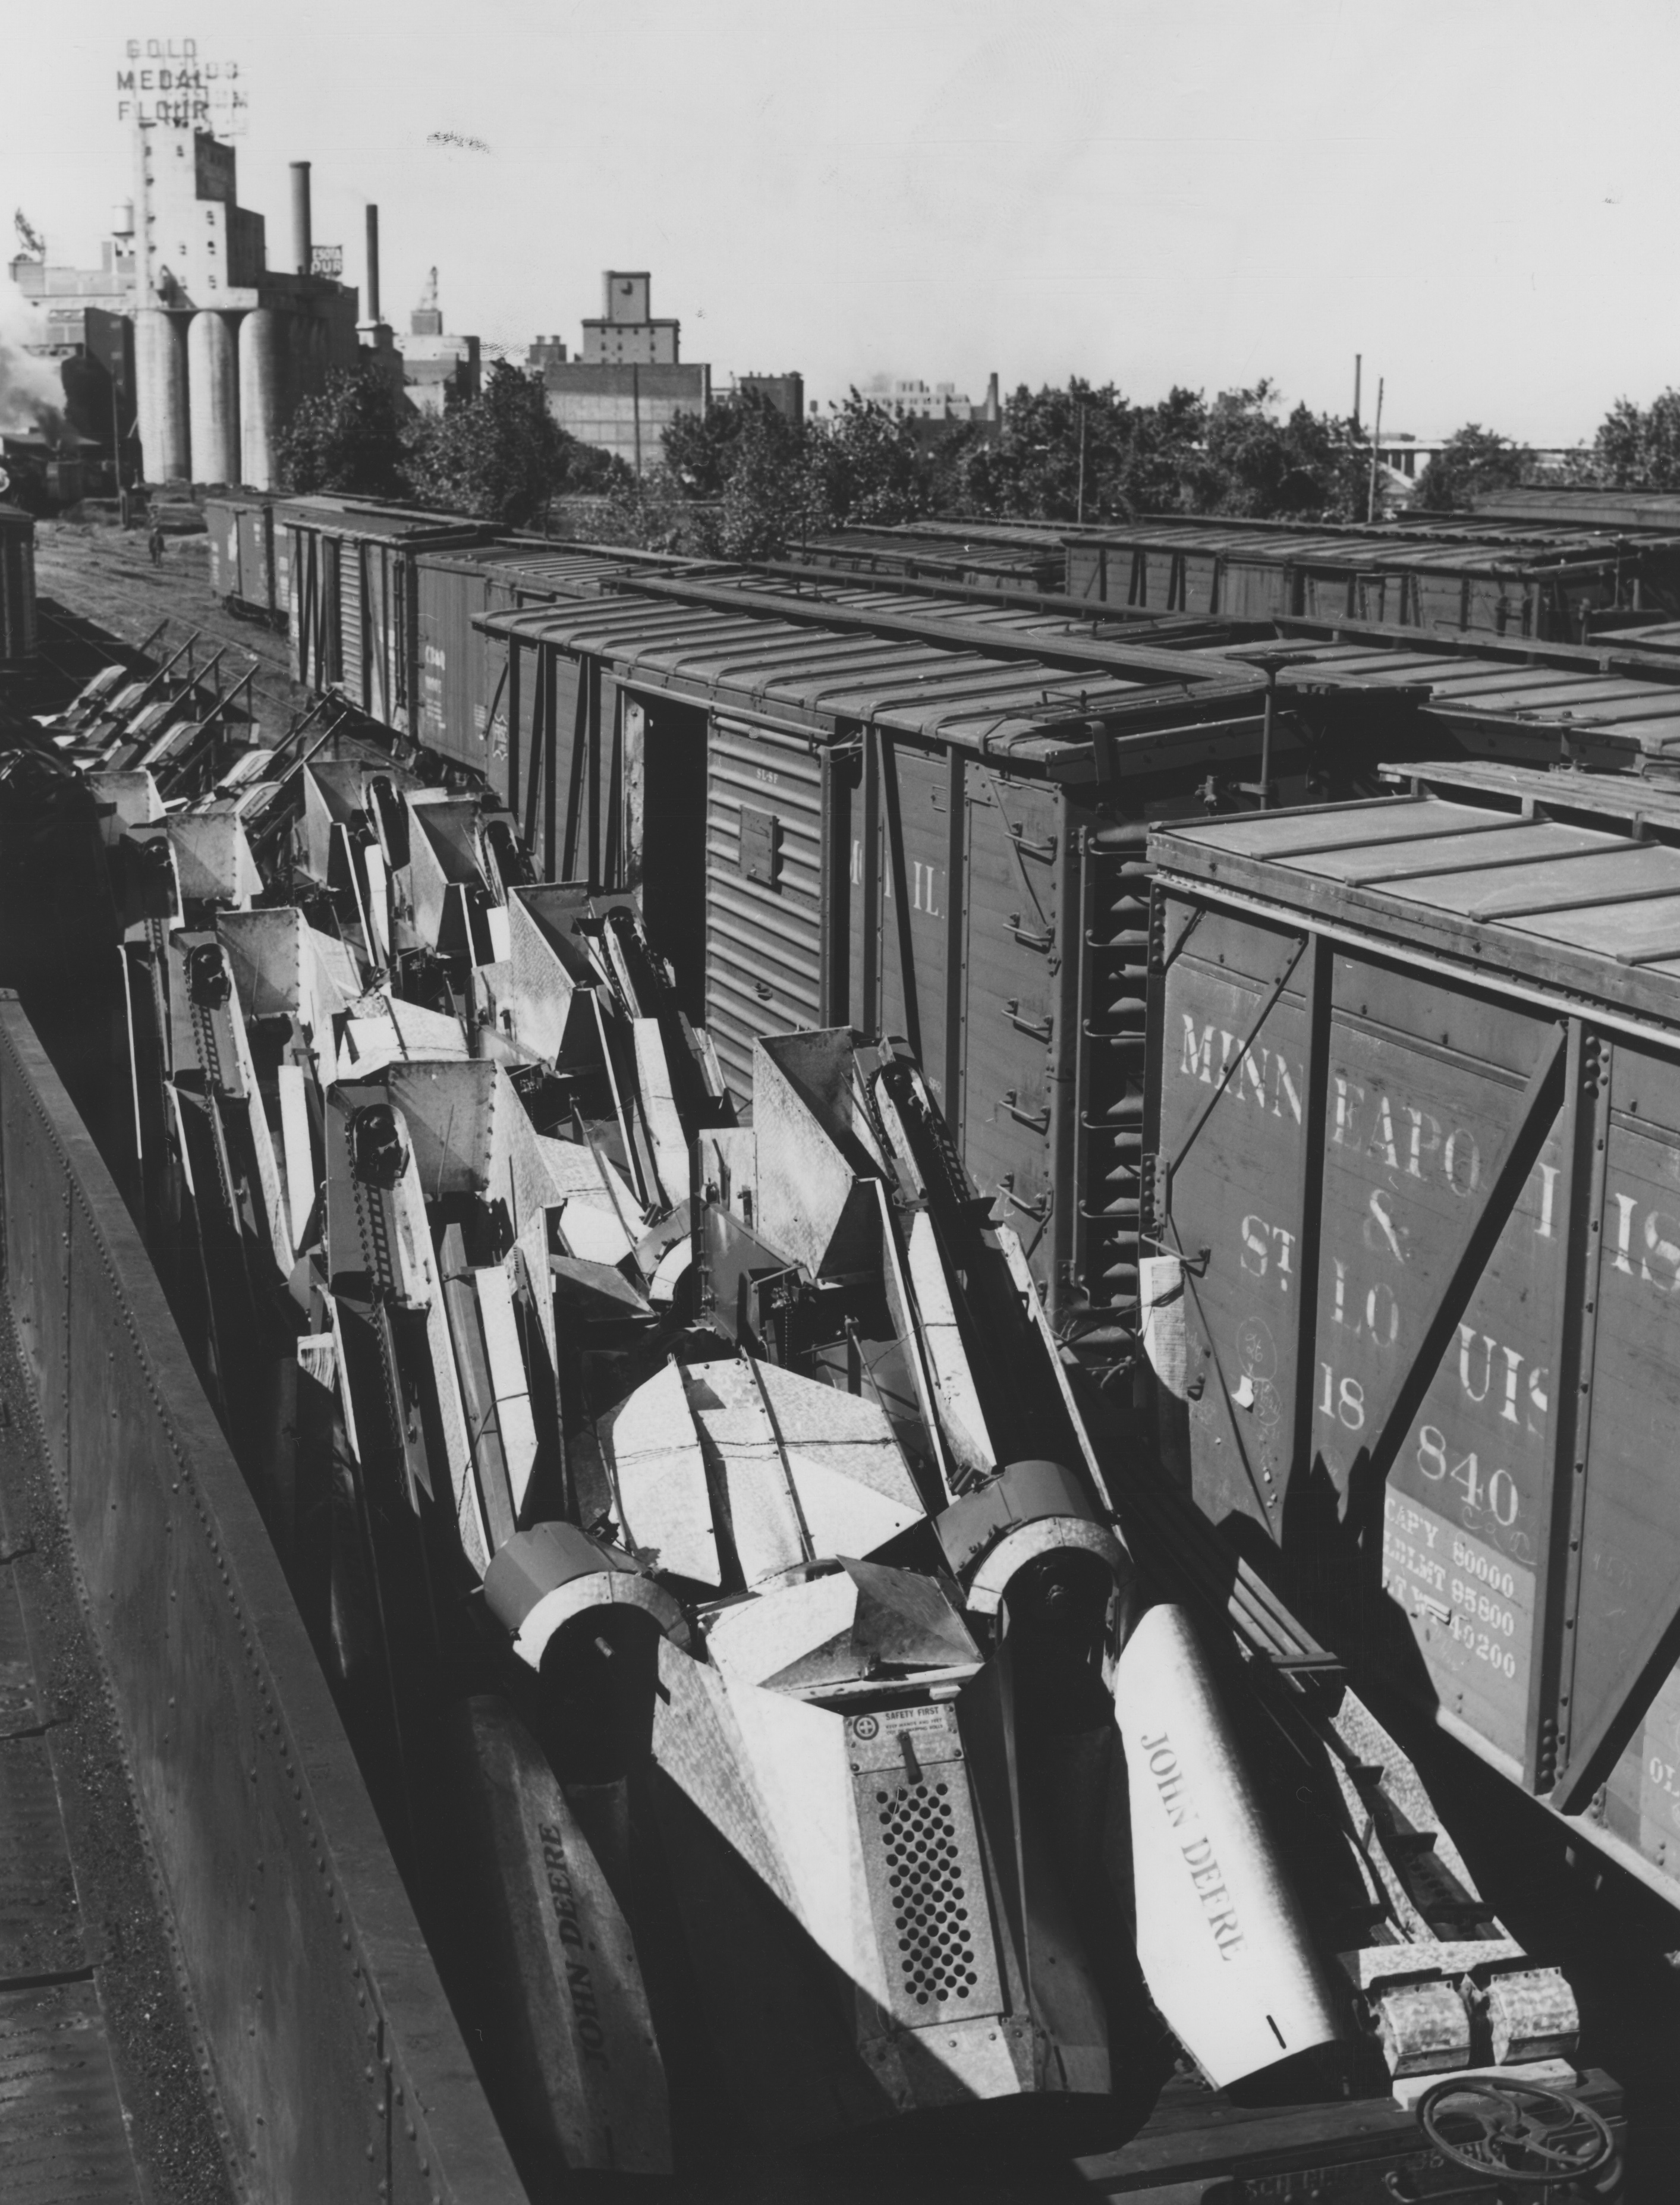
[
  {"x": 924, "y": 1866},
  {"x": 930, "y": 1895}
]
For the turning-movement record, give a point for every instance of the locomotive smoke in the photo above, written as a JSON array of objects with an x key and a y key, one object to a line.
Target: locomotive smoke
[{"x": 32, "y": 393}]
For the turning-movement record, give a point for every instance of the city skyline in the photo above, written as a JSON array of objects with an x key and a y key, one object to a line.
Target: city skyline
[{"x": 1205, "y": 195}]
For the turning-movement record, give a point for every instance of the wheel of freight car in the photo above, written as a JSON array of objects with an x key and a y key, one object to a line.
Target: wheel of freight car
[{"x": 1517, "y": 2133}]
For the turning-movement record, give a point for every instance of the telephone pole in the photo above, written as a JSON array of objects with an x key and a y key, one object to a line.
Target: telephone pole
[{"x": 1376, "y": 434}]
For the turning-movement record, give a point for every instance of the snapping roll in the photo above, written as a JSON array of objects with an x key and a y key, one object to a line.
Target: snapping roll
[{"x": 1220, "y": 1937}]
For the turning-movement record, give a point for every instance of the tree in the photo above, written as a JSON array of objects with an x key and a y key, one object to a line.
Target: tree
[
  {"x": 869, "y": 468},
  {"x": 500, "y": 457},
  {"x": 1061, "y": 454},
  {"x": 767, "y": 478},
  {"x": 1311, "y": 465},
  {"x": 1031, "y": 469},
  {"x": 760, "y": 475},
  {"x": 1472, "y": 460},
  {"x": 347, "y": 437},
  {"x": 593, "y": 471},
  {"x": 651, "y": 512},
  {"x": 701, "y": 450},
  {"x": 1162, "y": 451},
  {"x": 1639, "y": 447}
]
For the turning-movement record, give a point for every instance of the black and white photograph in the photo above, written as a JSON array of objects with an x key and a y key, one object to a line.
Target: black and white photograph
[{"x": 839, "y": 1104}]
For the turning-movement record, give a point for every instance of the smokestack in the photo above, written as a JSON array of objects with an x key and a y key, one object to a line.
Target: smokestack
[
  {"x": 373, "y": 264},
  {"x": 301, "y": 239}
]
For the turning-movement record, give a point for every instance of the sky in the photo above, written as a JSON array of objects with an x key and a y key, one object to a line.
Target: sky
[{"x": 1480, "y": 196}]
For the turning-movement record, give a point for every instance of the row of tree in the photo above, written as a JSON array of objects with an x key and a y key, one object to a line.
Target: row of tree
[
  {"x": 743, "y": 480},
  {"x": 501, "y": 456},
  {"x": 1634, "y": 447}
]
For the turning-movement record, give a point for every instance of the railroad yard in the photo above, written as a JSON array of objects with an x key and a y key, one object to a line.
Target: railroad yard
[
  {"x": 103, "y": 574},
  {"x": 858, "y": 1366}
]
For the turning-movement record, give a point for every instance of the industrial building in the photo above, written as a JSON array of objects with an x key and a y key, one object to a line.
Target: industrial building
[
  {"x": 82, "y": 323},
  {"x": 631, "y": 383},
  {"x": 439, "y": 368},
  {"x": 93, "y": 350},
  {"x": 908, "y": 399},
  {"x": 225, "y": 345},
  {"x": 786, "y": 393},
  {"x": 57, "y": 291}
]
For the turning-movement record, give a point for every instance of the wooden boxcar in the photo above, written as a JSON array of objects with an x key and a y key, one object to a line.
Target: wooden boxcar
[
  {"x": 462, "y": 718},
  {"x": 1413, "y": 1168},
  {"x": 352, "y": 597},
  {"x": 241, "y": 533},
  {"x": 952, "y": 552},
  {"x": 17, "y": 583},
  {"x": 1613, "y": 706},
  {"x": 1555, "y": 505},
  {"x": 832, "y": 825},
  {"x": 1538, "y": 587}
]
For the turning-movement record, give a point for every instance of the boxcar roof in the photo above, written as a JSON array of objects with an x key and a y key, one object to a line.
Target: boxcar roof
[
  {"x": 1568, "y": 882},
  {"x": 336, "y": 516},
  {"x": 1663, "y": 635},
  {"x": 1617, "y": 699},
  {"x": 1584, "y": 507},
  {"x": 1004, "y": 707},
  {"x": 570, "y": 569},
  {"x": 980, "y": 551},
  {"x": 1469, "y": 552}
]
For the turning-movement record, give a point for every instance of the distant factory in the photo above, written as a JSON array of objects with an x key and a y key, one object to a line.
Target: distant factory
[
  {"x": 222, "y": 346},
  {"x": 631, "y": 382},
  {"x": 439, "y": 368},
  {"x": 185, "y": 354}
]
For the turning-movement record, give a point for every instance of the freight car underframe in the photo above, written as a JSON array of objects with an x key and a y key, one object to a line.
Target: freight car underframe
[{"x": 1581, "y": 1713}]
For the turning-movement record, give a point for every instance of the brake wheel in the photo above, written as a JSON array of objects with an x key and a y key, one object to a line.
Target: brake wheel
[{"x": 1521, "y": 2132}]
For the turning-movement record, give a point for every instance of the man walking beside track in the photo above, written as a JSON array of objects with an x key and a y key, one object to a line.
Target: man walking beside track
[{"x": 154, "y": 542}]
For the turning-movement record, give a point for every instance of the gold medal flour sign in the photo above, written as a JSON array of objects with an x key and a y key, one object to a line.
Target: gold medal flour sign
[{"x": 174, "y": 81}]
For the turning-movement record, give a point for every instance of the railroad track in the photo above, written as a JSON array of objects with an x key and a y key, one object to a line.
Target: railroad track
[{"x": 106, "y": 574}]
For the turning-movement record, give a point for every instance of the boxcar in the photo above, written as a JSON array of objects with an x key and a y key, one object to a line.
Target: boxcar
[
  {"x": 17, "y": 583},
  {"x": 241, "y": 537},
  {"x": 352, "y": 598},
  {"x": 1528, "y": 588},
  {"x": 1556, "y": 505},
  {"x": 461, "y": 718},
  {"x": 1413, "y": 1165},
  {"x": 913, "y": 837},
  {"x": 1613, "y": 706},
  {"x": 1015, "y": 558}
]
